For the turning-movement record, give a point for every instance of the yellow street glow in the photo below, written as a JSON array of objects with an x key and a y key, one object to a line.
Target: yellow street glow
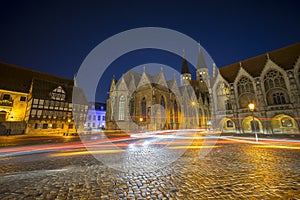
[
  {"x": 192, "y": 147},
  {"x": 88, "y": 152},
  {"x": 278, "y": 147}
]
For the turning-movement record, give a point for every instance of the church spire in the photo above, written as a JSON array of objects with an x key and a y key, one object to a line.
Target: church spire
[
  {"x": 201, "y": 61},
  {"x": 186, "y": 75},
  {"x": 75, "y": 81},
  {"x": 184, "y": 66}
]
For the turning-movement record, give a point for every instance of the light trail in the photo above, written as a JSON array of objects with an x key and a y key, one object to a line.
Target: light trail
[{"x": 169, "y": 139}]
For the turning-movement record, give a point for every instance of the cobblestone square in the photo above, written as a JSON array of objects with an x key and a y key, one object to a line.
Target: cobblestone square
[{"x": 228, "y": 171}]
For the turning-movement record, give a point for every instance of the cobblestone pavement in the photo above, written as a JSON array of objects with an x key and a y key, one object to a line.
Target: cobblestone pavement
[{"x": 230, "y": 171}]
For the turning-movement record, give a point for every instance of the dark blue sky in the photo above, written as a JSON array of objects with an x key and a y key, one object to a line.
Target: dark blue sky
[{"x": 56, "y": 36}]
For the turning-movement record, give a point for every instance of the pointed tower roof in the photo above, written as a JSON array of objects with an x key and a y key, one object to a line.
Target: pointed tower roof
[
  {"x": 75, "y": 81},
  {"x": 184, "y": 66},
  {"x": 201, "y": 61}
]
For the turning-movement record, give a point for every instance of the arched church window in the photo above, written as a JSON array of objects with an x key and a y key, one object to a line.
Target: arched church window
[
  {"x": 113, "y": 108},
  {"x": 162, "y": 102},
  {"x": 223, "y": 97},
  {"x": 245, "y": 92},
  {"x": 176, "y": 111},
  {"x": 273, "y": 79},
  {"x": 245, "y": 86},
  {"x": 131, "y": 106},
  {"x": 279, "y": 98},
  {"x": 144, "y": 108},
  {"x": 122, "y": 108}
]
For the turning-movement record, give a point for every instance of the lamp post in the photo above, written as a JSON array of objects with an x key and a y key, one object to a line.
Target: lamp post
[
  {"x": 251, "y": 107},
  {"x": 69, "y": 120}
]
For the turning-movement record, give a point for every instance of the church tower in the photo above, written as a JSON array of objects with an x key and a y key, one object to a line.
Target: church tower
[
  {"x": 202, "y": 70},
  {"x": 186, "y": 75}
]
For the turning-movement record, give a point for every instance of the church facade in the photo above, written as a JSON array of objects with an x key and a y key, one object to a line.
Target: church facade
[
  {"x": 150, "y": 102},
  {"x": 269, "y": 81}
]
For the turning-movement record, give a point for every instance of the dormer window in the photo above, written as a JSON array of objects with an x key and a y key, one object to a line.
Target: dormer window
[{"x": 58, "y": 94}]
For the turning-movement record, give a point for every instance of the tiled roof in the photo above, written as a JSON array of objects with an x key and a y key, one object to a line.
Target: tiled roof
[
  {"x": 285, "y": 58},
  {"x": 15, "y": 78},
  {"x": 229, "y": 72},
  {"x": 42, "y": 89}
]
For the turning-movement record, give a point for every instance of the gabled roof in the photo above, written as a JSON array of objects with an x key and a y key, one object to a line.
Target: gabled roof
[
  {"x": 285, "y": 58},
  {"x": 131, "y": 75},
  {"x": 254, "y": 66},
  {"x": 42, "y": 89},
  {"x": 15, "y": 78},
  {"x": 229, "y": 72}
]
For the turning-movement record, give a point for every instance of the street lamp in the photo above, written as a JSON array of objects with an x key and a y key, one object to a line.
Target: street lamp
[
  {"x": 69, "y": 120},
  {"x": 251, "y": 107}
]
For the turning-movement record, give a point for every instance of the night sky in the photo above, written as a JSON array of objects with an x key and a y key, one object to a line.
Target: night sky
[{"x": 56, "y": 36}]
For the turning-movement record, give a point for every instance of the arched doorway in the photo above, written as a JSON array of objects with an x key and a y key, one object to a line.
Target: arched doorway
[
  {"x": 250, "y": 126},
  {"x": 226, "y": 125},
  {"x": 284, "y": 124}
]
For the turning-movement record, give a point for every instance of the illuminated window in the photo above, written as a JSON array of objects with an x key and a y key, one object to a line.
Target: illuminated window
[
  {"x": 58, "y": 94},
  {"x": 245, "y": 92},
  {"x": 286, "y": 122},
  {"x": 229, "y": 124},
  {"x": 122, "y": 108}
]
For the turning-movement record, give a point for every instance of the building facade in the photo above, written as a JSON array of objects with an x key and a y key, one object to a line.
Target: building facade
[
  {"x": 150, "y": 102},
  {"x": 269, "y": 81},
  {"x": 95, "y": 119},
  {"x": 36, "y": 103}
]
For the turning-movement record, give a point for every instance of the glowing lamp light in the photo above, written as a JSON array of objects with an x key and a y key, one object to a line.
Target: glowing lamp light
[
  {"x": 141, "y": 119},
  {"x": 69, "y": 120},
  {"x": 251, "y": 106}
]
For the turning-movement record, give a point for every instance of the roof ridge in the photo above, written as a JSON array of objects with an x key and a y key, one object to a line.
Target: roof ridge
[{"x": 31, "y": 70}]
